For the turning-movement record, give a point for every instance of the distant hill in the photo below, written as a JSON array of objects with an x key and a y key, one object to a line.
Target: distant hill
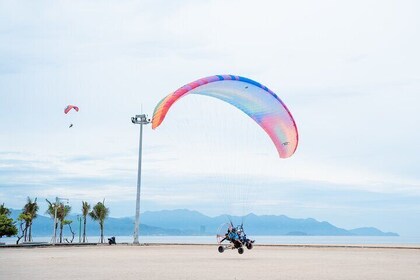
[
  {"x": 43, "y": 226},
  {"x": 187, "y": 222},
  {"x": 194, "y": 221},
  {"x": 371, "y": 231}
]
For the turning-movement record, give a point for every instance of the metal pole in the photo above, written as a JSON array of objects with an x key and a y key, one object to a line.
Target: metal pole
[
  {"x": 139, "y": 119},
  {"x": 137, "y": 222},
  {"x": 55, "y": 220},
  {"x": 80, "y": 228}
]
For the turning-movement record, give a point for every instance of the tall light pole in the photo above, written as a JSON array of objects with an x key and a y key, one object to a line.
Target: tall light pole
[
  {"x": 79, "y": 218},
  {"x": 141, "y": 120}
]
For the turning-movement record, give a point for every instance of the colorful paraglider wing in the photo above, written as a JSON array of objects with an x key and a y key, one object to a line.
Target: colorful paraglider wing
[
  {"x": 69, "y": 107},
  {"x": 254, "y": 99}
]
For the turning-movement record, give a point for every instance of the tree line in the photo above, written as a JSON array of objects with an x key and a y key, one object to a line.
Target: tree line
[{"x": 58, "y": 211}]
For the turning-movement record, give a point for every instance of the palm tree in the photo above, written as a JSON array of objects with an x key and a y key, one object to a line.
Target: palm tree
[
  {"x": 30, "y": 209},
  {"x": 62, "y": 212},
  {"x": 51, "y": 211},
  {"x": 68, "y": 223},
  {"x": 85, "y": 212},
  {"x": 100, "y": 213},
  {"x": 24, "y": 220}
]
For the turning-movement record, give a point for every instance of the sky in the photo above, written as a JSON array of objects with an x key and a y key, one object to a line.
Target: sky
[{"x": 347, "y": 70}]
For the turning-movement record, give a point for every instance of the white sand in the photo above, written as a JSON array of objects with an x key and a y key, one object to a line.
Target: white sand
[{"x": 204, "y": 262}]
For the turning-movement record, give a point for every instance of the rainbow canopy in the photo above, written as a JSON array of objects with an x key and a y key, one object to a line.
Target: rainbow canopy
[{"x": 254, "y": 99}]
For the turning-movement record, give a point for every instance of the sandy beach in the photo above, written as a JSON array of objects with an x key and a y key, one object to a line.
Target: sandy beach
[{"x": 204, "y": 262}]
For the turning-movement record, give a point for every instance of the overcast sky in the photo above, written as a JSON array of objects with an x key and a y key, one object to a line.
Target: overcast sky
[{"x": 348, "y": 71}]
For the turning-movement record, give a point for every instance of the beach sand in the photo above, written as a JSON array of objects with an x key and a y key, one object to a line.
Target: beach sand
[{"x": 204, "y": 262}]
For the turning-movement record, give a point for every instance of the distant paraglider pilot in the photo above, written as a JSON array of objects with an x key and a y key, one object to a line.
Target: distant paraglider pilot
[{"x": 68, "y": 109}]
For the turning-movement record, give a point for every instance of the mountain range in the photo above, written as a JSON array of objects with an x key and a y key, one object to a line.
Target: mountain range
[{"x": 186, "y": 222}]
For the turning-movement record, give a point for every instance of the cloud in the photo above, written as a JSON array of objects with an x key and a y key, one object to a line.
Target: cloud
[{"x": 352, "y": 87}]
